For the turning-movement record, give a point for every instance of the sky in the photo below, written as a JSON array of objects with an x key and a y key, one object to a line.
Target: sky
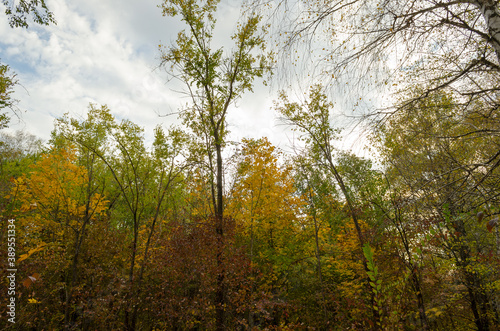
[{"x": 106, "y": 52}]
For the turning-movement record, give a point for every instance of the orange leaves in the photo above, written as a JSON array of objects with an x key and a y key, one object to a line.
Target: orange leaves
[{"x": 30, "y": 280}]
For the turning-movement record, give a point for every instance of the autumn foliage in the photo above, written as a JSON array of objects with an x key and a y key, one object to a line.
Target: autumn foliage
[{"x": 185, "y": 229}]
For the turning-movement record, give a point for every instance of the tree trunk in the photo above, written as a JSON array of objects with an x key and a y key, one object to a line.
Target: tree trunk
[
  {"x": 354, "y": 216},
  {"x": 131, "y": 317},
  {"x": 491, "y": 15},
  {"x": 318, "y": 266},
  {"x": 220, "y": 301}
]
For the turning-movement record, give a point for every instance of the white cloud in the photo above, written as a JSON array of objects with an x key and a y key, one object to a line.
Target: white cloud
[
  {"x": 105, "y": 52},
  {"x": 99, "y": 51}
]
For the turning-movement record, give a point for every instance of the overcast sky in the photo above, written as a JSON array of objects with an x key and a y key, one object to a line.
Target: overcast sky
[{"x": 106, "y": 52}]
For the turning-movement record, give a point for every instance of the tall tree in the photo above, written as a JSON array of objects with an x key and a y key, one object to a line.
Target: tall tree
[
  {"x": 214, "y": 80},
  {"x": 445, "y": 176},
  {"x": 312, "y": 120}
]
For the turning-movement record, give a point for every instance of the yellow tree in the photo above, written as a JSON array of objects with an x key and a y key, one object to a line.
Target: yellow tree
[
  {"x": 55, "y": 208},
  {"x": 265, "y": 202}
]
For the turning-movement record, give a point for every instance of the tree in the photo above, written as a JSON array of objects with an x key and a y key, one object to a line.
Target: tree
[
  {"x": 321, "y": 206},
  {"x": 214, "y": 81},
  {"x": 17, "y": 152},
  {"x": 135, "y": 172},
  {"x": 455, "y": 42},
  {"x": 7, "y": 83},
  {"x": 263, "y": 200},
  {"x": 18, "y": 12},
  {"x": 443, "y": 182},
  {"x": 440, "y": 46},
  {"x": 56, "y": 205},
  {"x": 311, "y": 119}
]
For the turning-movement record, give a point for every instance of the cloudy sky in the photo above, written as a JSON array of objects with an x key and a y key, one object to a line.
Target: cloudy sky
[{"x": 106, "y": 52}]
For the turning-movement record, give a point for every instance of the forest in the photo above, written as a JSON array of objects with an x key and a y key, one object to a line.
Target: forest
[{"x": 103, "y": 230}]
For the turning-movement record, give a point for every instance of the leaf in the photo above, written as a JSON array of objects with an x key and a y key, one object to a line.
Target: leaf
[
  {"x": 30, "y": 280},
  {"x": 491, "y": 224},
  {"x": 31, "y": 252}
]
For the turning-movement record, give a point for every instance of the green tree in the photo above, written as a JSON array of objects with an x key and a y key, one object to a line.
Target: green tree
[
  {"x": 444, "y": 176},
  {"x": 18, "y": 12},
  {"x": 7, "y": 83},
  {"x": 214, "y": 80},
  {"x": 134, "y": 172},
  {"x": 322, "y": 207},
  {"x": 17, "y": 152},
  {"x": 312, "y": 120}
]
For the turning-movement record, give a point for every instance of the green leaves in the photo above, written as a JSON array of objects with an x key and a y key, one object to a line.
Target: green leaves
[
  {"x": 7, "y": 82},
  {"x": 17, "y": 12},
  {"x": 214, "y": 79},
  {"x": 312, "y": 119},
  {"x": 375, "y": 281}
]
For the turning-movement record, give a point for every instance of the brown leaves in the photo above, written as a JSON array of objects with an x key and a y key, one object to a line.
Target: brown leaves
[
  {"x": 31, "y": 280},
  {"x": 491, "y": 224},
  {"x": 480, "y": 216}
]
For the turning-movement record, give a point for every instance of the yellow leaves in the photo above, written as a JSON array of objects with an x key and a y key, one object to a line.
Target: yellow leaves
[
  {"x": 348, "y": 255},
  {"x": 434, "y": 312},
  {"x": 264, "y": 199},
  {"x": 31, "y": 252},
  {"x": 53, "y": 199},
  {"x": 55, "y": 187}
]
